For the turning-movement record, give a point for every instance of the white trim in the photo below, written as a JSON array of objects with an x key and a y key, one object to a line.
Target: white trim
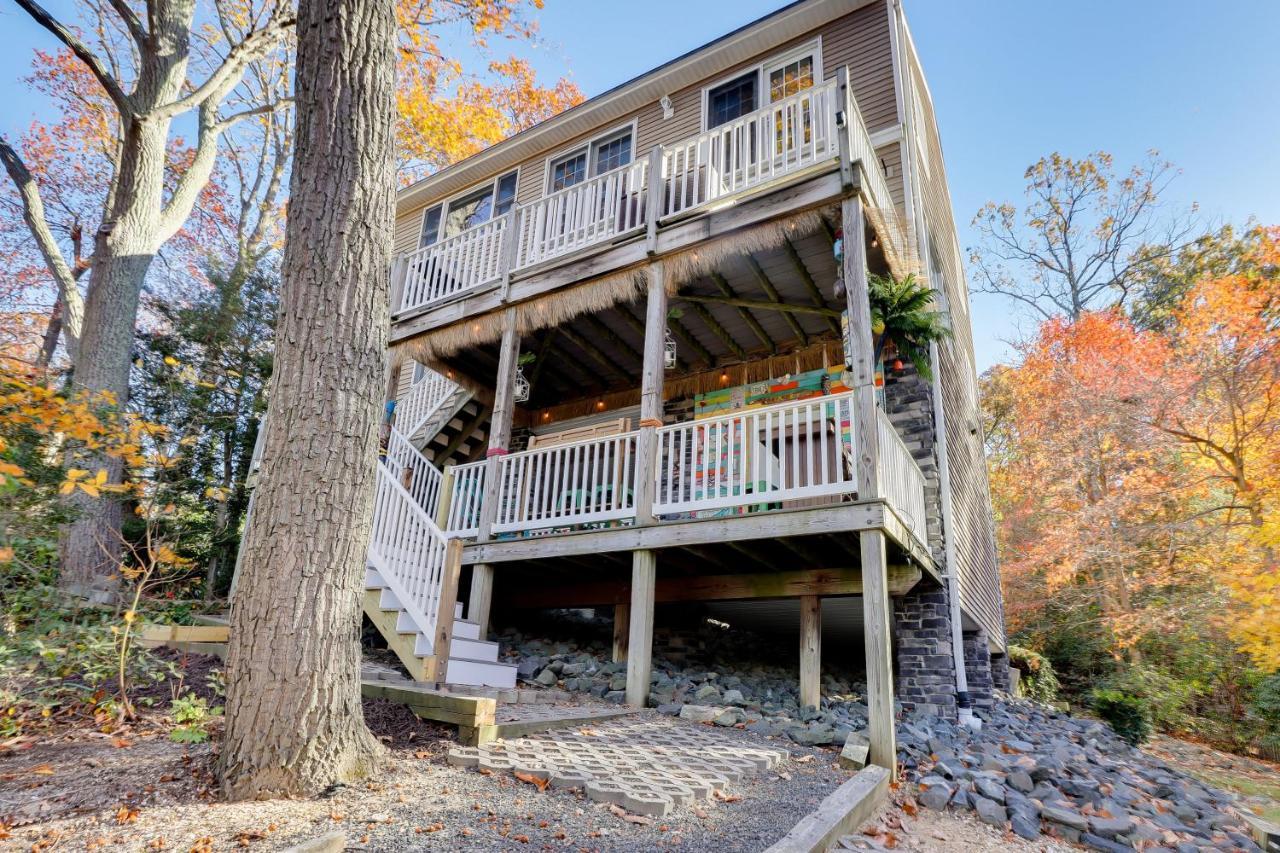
[
  {"x": 886, "y": 136},
  {"x": 587, "y": 145},
  {"x": 444, "y": 205},
  {"x": 812, "y": 47}
]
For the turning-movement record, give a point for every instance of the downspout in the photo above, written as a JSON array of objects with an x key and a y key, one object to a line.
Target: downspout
[{"x": 924, "y": 250}]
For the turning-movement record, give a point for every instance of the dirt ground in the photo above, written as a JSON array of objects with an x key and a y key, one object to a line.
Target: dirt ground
[{"x": 904, "y": 826}]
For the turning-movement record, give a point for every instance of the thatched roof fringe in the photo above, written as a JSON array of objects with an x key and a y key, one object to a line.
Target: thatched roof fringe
[{"x": 601, "y": 293}]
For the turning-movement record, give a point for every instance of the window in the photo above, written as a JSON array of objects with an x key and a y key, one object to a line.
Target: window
[
  {"x": 790, "y": 78},
  {"x": 457, "y": 215},
  {"x": 731, "y": 100},
  {"x": 568, "y": 171},
  {"x": 767, "y": 83},
  {"x": 612, "y": 151}
]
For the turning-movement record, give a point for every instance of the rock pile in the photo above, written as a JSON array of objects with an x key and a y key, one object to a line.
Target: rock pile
[
  {"x": 708, "y": 674},
  {"x": 1036, "y": 770}
]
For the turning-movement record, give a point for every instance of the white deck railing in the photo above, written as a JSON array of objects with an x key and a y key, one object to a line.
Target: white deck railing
[
  {"x": 408, "y": 551},
  {"x": 901, "y": 481},
  {"x": 583, "y": 215},
  {"x": 784, "y": 137},
  {"x": 466, "y": 496},
  {"x": 411, "y": 470},
  {"x": 455, "y": 265},
  {"x": 578, "y": 483},
  {"x": 421, "y": 401},
  {"x": 755, "y": 458}
]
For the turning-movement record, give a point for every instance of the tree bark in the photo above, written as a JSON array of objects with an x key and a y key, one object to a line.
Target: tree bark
[{"x": 294, "y": 720}]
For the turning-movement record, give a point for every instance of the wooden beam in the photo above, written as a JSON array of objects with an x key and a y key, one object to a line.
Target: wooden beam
[
  {"x": 781, "y": 307},
  {"x": 747, "y": 317},
  {"x": 900, "y": 578},
  {"x": 772, "y": 293},
  {"x": 810, "y": 651},
  {"x": 644, "y": 573},
  {"x": 749, "y": 555},
  {"x": 810, "y": 521},
  {"x": 602, "y": 328},
  {"x": 637, "y": 326},
  {"x": 600, "y": 356},
  {"x": 565, "y": 358},
  {"x": 681, "y": 331},
  {"x": 621, "y": 631},
  {"x": 858, "y": 300},
  {"x": 431, "y": 704},
  {"x": 815, "y": 294},
  {"x": 481, "y": 600},
  {"x": 540, "y": 359},
  {"x": 718, "y": 330}
]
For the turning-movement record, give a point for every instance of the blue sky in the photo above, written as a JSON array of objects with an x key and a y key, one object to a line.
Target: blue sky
[{"x": 1011, "y": 79}]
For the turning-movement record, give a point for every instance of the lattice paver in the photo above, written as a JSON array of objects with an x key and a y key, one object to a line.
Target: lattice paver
[{"x": 648, "y": 767}]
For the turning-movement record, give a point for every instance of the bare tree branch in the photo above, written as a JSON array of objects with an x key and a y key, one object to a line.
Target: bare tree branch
[
  {"x": 117, "y": 94},
  {"x": 131, "y": 21},
  {"x": 33, "y": 213}
]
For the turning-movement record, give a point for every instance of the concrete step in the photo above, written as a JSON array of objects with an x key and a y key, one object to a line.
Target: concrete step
[{"x": 480, "y": 673}]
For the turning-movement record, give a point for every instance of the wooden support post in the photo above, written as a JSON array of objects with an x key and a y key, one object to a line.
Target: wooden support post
[
  {"x": 444, "y": 618},
  {"x": 446, "y": 499},
  {"x": 875, "y": 621},
  {"x": 621, "y": 631},
  {"x": 481, "y": 597},
  {"x": 510, "y": 245},
  {"x": 810, "y": 651},
  {"x": 651, "y": 382},
  {"x": 872, "y": 547},
  {"x": 644, "y": 573},
  {"x": 500, "y": 422}
]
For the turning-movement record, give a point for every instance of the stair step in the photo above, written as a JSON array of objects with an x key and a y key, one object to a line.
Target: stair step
[
  {"x": 389, "y": 600},
  {"x": 457, "y": 610},
  {"x": 461, "y": 647},
  {"x": 373, "y": 580},
  {"x": 480, "y": 673},
  {"x": 465, "y": 629}
]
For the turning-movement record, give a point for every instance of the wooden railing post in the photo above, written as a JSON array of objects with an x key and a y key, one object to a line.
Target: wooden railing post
[
  {"x": 651, "y": 377},
  {"x": 450, "y": 574},
  {"x": 654, "y": 202},
  {"x": 446, "y": 499},
  {"x": 500, "y": 423},
  {"x": 399, "y": 272},
  {"x": 510, "y": 244},
  {"x": 843, "y": 119}
]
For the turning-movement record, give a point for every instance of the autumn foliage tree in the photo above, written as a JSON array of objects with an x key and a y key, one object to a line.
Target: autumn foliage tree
[{"x": 1135, "y": 470}]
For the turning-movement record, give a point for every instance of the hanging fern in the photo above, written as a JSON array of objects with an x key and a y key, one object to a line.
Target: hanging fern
[{"x": 902, "y": 312}]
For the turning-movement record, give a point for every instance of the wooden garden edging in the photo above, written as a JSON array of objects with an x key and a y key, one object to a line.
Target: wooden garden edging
[{"x": 841, "y": 813}]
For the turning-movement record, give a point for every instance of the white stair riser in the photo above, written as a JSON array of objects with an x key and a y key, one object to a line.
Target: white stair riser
[
  {"x": 466, "y": 630},
  {"x": 461, "y": 647},
  {"x": 476, "y": 673},
  {"x": 373, "y": 580},
  {"x": 389, "y": 601},
  {"x": 457, "y": 610}
]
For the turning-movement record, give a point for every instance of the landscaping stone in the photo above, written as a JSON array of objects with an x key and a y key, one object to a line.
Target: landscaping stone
[
  {"x": 935, "y": 793},
  {"x": 699, "y": 713},
  {"x": 990, "y": 812}
]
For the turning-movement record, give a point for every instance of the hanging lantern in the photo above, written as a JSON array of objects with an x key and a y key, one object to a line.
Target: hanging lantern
[
  {"x": 521, "y": 390},
  {"x": 897, "y": 364},
  {"x": 669, "y": 351}
]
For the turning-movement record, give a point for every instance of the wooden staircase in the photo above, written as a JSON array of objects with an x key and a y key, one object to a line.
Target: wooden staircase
[
  {"x": 459, "y": 438},
  {"x": 412, "y": 571},
  {"x": 472, "y": 661}
]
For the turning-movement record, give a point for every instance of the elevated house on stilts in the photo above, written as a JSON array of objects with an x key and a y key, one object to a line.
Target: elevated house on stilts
[{"x": 634, "y": 364}]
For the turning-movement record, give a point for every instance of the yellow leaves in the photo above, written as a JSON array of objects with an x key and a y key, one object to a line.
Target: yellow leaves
[
  {"x": 166, "y": 556},
  {"x": 171, "y": 361},
  {"x": 8, "y": 468},
  {"x": 6, "y": 554},
  {"x": 217, "y": 493},
  {"x": 78, "y": 478}
]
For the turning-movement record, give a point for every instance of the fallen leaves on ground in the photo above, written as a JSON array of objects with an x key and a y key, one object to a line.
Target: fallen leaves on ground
[
  {"x": 540, "y": 784},
  {"x": 619, "y": 811}
]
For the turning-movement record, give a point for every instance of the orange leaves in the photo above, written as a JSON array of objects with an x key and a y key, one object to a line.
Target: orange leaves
[
  {"x": 78, "y": 478},
  {"x": 540, "y": 784}
]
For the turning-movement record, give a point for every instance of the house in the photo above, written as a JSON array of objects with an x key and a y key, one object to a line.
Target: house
[{"x": 635, "y": 365}]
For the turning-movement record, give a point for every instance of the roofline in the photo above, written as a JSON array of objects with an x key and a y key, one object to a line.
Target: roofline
[{"x": 422, "y": 190}]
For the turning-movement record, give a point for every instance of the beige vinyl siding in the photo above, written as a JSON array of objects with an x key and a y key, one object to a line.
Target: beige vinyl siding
[
  {"x": 978, "y": 570},
  {"x": 859, "y": 40}
]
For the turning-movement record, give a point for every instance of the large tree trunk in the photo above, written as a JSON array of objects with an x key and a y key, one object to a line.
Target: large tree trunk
[{"x": 294, "y": 720}]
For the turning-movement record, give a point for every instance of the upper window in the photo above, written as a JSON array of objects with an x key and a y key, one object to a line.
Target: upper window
[
  {"x": 598, "y": 156},
  {"x": 771, "y": 81},
  {"x": 731, "y": 100},
  {"x": 442, "y": 221}
]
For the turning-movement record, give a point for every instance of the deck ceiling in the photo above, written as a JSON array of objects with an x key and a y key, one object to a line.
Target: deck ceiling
[{"x": 601, "y": 353}]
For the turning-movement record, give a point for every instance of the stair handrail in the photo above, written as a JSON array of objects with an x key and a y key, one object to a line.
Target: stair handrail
[
  {"x": 408, "y": 551},
  {"x": 414, "y": 472},
  {"x": 421, "y": 402}
]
